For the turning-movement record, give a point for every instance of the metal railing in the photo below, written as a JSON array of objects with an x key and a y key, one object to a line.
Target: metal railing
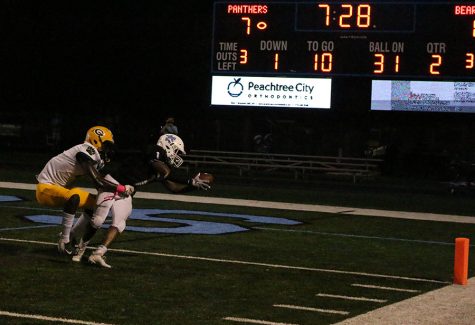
[{"x": 299, "y": 165}]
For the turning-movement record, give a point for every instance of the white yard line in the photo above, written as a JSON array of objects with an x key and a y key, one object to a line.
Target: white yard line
[
  {"x": 219, "y": 260},
  {"x": 431, "y": 242},
  {"x": 319, "y": 310},
  {"x": 254, "y": 321},
  {"x": 383, "y": 288},
  {"x": 326, "y": 295},
  {"x": 453, "y": 304},
  {"x": 51, "y": 319}
]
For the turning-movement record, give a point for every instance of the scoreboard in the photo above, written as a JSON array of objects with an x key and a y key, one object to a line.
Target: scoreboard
[
  {"x": 280, "y": 44},
  {"x": 401, "y": 39}
]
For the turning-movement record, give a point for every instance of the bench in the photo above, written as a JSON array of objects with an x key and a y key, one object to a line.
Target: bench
[{"x": 299, "y": 165}]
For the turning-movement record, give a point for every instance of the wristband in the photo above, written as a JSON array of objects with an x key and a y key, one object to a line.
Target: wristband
[{"x": 120, "y": 189}]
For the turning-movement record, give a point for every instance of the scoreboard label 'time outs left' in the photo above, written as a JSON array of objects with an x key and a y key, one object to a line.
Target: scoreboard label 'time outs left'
[{"x": 404, "y": 39}]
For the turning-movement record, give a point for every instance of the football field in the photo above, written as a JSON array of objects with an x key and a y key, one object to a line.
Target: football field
[{"x": 232, "y": 256}]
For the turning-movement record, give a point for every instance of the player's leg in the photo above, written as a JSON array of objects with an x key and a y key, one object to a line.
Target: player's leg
[
  {"x": 69, "y": 212},
  {"x": 81, "y": 233},
  {"x": 98, "y": 256},
  {"x": 105, "y": 202},
  {"x": 75, "y": 198},
  {"x": 121, "y": 210},
  {"x": 54, "y": 196}
]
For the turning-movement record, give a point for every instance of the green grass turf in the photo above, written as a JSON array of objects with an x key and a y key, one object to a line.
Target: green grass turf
[{"x": 201, "y": 279}]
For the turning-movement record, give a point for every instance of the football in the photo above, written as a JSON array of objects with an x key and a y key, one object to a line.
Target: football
[{"x": 207, "y": 176}]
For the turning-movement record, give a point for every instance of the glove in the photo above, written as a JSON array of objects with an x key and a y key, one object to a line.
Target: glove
[
  {"x": 202, "y": 184},
  {"x": 129, "y": 190}
]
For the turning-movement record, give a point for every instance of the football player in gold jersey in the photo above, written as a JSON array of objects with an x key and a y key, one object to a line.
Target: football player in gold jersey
[{"x": 54, "y": 181}]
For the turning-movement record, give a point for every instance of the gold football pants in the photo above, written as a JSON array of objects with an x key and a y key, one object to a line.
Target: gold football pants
[{"x": 56, "y": 196}]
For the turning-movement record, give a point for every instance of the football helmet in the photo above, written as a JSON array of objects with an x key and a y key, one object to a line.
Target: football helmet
[
  {"x": 174, "y": 147},
  {"x": 102, "y": 139}
]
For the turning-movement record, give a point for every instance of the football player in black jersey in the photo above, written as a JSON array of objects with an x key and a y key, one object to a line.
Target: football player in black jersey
[{"x": 158, "y": 164}]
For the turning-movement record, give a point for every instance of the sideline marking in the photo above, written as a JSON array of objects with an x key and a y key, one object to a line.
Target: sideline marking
[
  {"x": 359, "y": 236},
  {"x": 254, "y": 321},
  {"x": 328, "y": 311},
  {"x": 276, "y": 266},
  {"x": 53, "y": 319},
  {"x": 383, "y": 288},
  {"x": 282, "y": 205},
  {"x": 350, "y": 298},
  {"x": 31, "y": 227}
]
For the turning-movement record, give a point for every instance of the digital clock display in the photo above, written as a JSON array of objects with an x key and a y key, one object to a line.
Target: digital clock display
[
  {"x": 406, "y": 39},
  {"x": 354, "y": 17}
]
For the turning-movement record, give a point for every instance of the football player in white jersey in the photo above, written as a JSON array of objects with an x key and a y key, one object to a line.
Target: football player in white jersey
[
  {"x": 157, "y": 164},
  {"x": 55, "y": 180}
]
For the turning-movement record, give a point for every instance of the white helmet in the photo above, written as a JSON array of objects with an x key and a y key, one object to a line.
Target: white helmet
[{"x": 174, "y": 147}]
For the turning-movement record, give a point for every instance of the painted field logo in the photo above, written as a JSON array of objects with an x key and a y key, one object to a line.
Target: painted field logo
[{"x": 180, "y": 224}]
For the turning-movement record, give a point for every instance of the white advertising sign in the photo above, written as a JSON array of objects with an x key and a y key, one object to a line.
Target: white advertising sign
[{"x": 271, "y": 91}]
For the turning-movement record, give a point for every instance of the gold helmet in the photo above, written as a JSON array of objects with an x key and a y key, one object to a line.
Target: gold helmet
[{"x": 98, "y": 135}]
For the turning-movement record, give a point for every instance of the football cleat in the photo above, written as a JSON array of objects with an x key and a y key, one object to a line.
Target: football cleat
[
  {"x": 63, "y": 247},
  {"x": 79, "y": 250},
  {"x": 98, "y": 260}
]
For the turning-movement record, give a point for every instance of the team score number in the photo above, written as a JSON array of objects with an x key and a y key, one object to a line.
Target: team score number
[
  {"x": 350, "y": 15},
  {"x": 261, "y": 25}
]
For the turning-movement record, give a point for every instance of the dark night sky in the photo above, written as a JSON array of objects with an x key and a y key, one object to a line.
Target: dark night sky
[
  {"x": 104, "y": 53},
  {"x": 90, "y": 58}
]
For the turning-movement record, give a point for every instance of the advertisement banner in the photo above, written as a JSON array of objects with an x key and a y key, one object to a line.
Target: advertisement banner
[{"x": 271, "y": 91}]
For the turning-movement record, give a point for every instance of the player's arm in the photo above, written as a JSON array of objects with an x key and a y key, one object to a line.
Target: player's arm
[
  {"x": 160, "y": 172},
  {"x": 179, "y": 183},
  {"x": 161, "y": 169},
  {"x": 177, "y": 187},
  {"x": 175, "y": 182},
  {"x": 169, "y": 178},
  {"x": 87, "y": 164}
]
